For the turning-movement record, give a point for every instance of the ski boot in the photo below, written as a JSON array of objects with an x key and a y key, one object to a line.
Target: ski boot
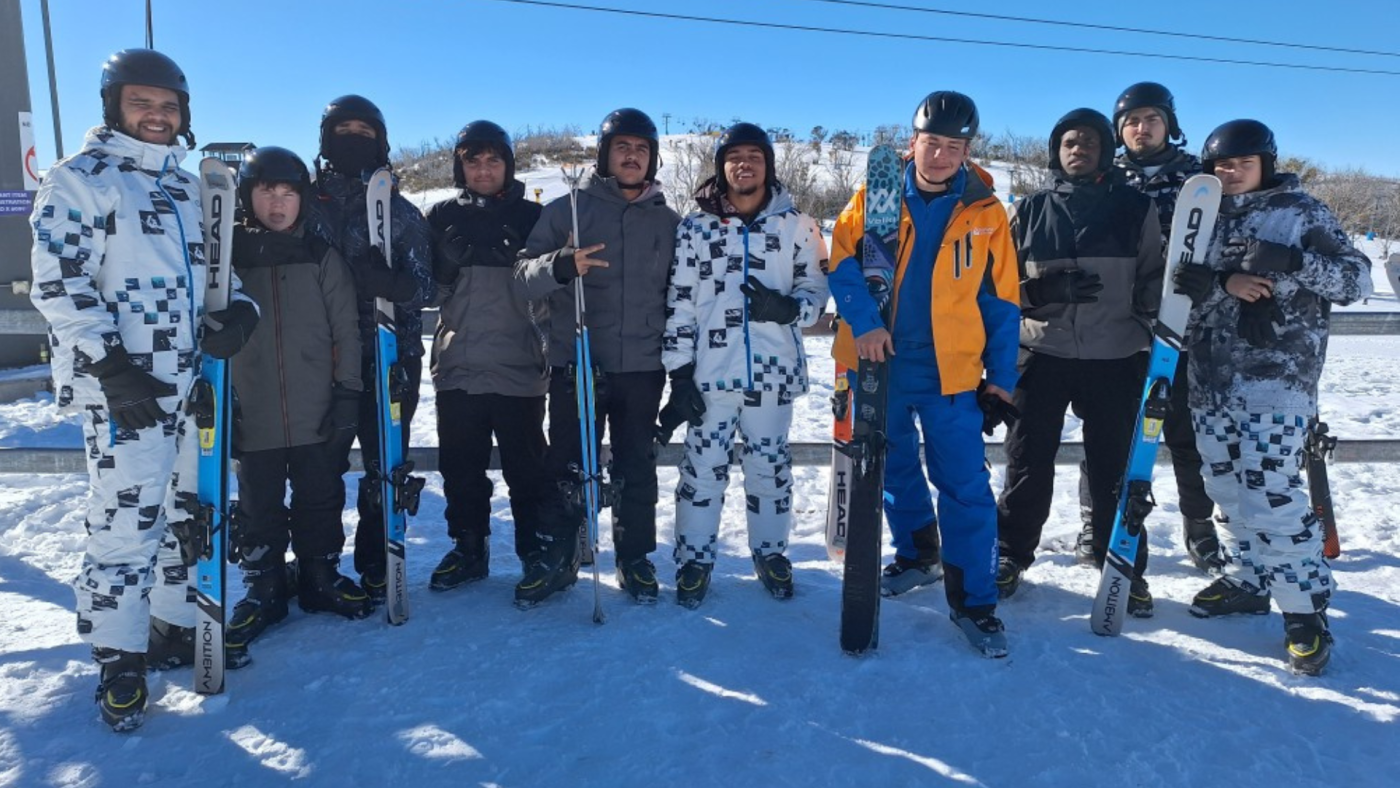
[
  {"x": 469, "y": 560},
  {"x": 1008, "y": 577},
  {"x": 983, "y": 630},
  {"x": 1139, "y": 599},
  {"x": 375, "y": 585},
  {"x": 323, "y": 589},
  {"x": 637, "y": 576},
  {"x": 1308, "y": 641},
  {"x": 692, "y": 583},
  {"x": 121, "y": 695},
  {"x": 775, "y": 571},
  {"x": 1084, "y": 546},
  {"x": 906, "y": 574},
  {"x": 1202, "y": 544},
  {"x": 169, "y": 646},
  {"x": 263, "y": 605},
  {"x": 551, "y": 569},
  {"x": 1226, "y": 597}
]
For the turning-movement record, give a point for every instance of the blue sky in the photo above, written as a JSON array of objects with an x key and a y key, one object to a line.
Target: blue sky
[{"x": 262, "y": 71}]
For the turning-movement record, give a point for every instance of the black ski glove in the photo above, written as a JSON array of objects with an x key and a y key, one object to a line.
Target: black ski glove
[
  {"x": 684, "y": 405},
  {"x": 564, "y": 269},
  {"x": 236, "y": 325},
  {"x": 1258, "y": 257},
  {"x": 1193, "y": 281},
  {"x": 995, "y": 410},
  {"x": 767, "y": 305},
  {"x": 131, "y": 392},
  {"x": 1257, "y": 320},
  {"x": 375, "y": 279},
  {"x": 451, "y": 254},
  {"x": 1074, "y": 286},
  {"x": 342, "y": 421}
]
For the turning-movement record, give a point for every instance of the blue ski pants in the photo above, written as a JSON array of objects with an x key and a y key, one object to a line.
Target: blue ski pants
[{"x": 956, "y": 460}]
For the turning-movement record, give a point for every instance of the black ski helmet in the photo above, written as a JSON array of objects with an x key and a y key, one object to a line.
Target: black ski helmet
[
  {"x": 1147, "y": 94},
  {"x": 271, "y": 164},
  {"x": 1241, "y": 138},
  {"x": 353, "y": 107},
  {"x": 475, "y": 137},
  {"x": 744, "y": 134},
  {"x": 1083, "y": 117},
  {"x": 947, "y": 113},
  {"x": 143, "y": 67},
  {"x": 632, "y": 123}
]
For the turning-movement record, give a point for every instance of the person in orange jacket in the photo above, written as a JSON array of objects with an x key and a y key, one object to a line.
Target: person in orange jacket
[{"x": 956, "y": 313}]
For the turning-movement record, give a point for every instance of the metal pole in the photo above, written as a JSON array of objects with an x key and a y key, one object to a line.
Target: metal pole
[
  {"x": 150, "y": 32},
  {"x": 53, "y": 83}
]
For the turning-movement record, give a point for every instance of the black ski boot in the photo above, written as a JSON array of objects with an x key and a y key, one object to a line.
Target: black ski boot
[
  {"x": 1226, "y": 597},
  {"x": 551, "y": 569},
  {"x": 1084, "y": 546},
  {"x": 692, "y": 583},
  {"x": 121, "y": 695},
  {"x": 325, "y": 590},
  {"x": 469, "y": 560},
  {"x": 903, "y": 575},
  {"x": 1139, "y": 599},
  {"x": 1202, "y": 544},
  {"x": 775, "y": 570},
  {"x": 169, "y": 646},
  {"x": 374, "y": 584},
  {"x": 1308, "y": 641},
  {"x": 637, "y": 576},
  {"x": 263, "y": 605},
  {"x": 1008, "y": 577}
]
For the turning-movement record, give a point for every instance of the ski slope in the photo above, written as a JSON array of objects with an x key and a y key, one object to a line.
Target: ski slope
[{"x": 744, "y": 690}]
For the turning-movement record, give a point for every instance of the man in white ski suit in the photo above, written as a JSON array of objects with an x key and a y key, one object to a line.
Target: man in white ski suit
[
  {"x": 119, "y": 274},
  {"x": 749, "y": 273}
]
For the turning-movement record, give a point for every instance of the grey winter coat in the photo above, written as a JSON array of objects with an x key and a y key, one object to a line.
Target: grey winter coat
[
  {"x": 1227, "y": 373},
  {"x": 306, "y": 341},
  {"x": 490, "y": 338},
  {"x": 625, "y": 302},
  {"x": 1107, "y": 228}
]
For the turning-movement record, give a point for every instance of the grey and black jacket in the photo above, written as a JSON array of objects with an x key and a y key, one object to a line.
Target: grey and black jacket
[
  {"x": 490, "y": 338},
  {"x": 625, "y": 302},
  {"x": 1103, "y": 226},
  {"x": 1229, "y": 374},
  {"x": 306, "y": 341}
]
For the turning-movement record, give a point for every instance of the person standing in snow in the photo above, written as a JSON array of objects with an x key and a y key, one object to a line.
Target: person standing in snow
[
  {"x": 749, "y": 274},
  {"x": 1156, "y": 163},
  {"x": 119, "y": 274},
  {"x": 1090, "y": 252},
  {"x": 1278, "y": 260},
  {"x": 355, "y": 143},
  {"x": 627, "y": 243},
  {"x": 298, "y": 385},
  {"x": 488, "y": 361},
  {"x": 955, "y": 317}
]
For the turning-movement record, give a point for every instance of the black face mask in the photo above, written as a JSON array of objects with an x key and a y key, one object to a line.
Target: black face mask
[{"x": 352, "y": 154}]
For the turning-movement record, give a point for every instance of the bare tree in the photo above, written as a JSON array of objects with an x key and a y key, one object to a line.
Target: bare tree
[{"x": 689, "y": 161}]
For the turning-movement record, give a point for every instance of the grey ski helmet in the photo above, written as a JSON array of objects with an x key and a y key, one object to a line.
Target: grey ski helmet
[
  {"x": 633, "y": 123},
  {"x": 143, "y": 67},
  {"x": 477, "y": 136}
]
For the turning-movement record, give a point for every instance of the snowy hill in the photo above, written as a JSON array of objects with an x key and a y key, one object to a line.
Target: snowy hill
[{"x": 745, "y": 690}]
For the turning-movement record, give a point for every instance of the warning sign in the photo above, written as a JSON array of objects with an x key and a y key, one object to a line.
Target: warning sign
[{"x": 29, "y": 157}]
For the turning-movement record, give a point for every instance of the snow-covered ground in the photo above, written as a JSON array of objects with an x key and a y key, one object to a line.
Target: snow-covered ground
[{"x": 745, "y": 690}]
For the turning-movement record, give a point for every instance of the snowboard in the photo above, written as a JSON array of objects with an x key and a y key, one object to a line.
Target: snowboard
[
  {"x": 1192, "y": 224},
  {"x": 398, "y": 489},
  {"x": 867, "y": 390},
  {"x": 210, "y": 405}
]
